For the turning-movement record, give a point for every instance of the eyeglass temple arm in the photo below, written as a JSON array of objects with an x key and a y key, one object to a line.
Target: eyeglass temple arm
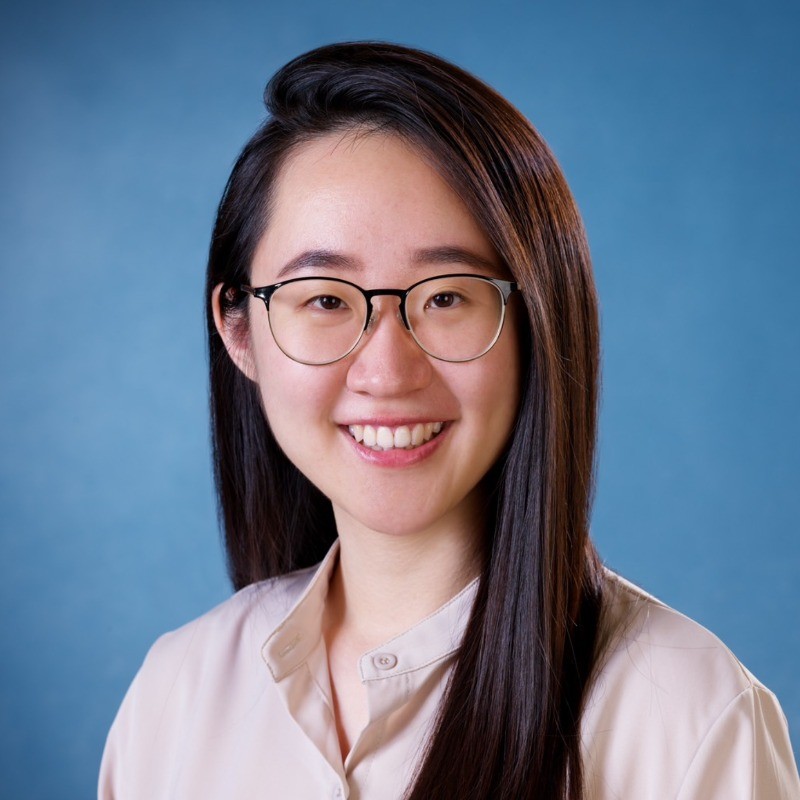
[
  {"x": 262, "y": 293},
  {"x": 507, "y": 288}
]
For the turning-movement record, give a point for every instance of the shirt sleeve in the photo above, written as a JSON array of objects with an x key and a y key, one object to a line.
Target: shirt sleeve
[
  {"x": 128, "y": 770},
  {"x": 109, "y": 784},
  {"x": 746, "y": 754},
  {"x": 143, "y": 729}
]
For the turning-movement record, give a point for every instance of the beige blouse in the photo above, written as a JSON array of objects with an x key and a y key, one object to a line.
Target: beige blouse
[{"x": 237, "y": 705}]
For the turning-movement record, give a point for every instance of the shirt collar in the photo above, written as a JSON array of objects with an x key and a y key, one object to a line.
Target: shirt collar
[
  {"x": 296, "y": 636},
  {"x": 432, "y": 639}
]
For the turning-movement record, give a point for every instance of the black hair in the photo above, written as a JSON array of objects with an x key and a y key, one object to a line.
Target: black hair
[{"x": 509, "y": 723}]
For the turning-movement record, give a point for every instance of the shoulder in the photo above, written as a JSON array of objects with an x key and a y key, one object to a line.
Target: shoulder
[
  {"x": 662, "y": 650},
  {"x": 206, "y": 675},
  {"x": 239, "y": 625},
  {"x": 670, "y": 704},
  {"x": 258, "y": 608}
]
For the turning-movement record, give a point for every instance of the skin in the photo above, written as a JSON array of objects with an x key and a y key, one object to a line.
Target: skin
[{"x": 409, "y": 531}]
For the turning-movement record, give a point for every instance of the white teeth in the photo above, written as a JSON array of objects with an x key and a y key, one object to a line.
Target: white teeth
[
  {"x": 384, "y": 438},
  {"x": 370, "y": 439},
  {"x": 403, "y": 437}
]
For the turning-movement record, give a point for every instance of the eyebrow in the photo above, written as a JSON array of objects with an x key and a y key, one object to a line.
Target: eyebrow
[
  {"x": 313, "y": 259},
  {"x": 330, "y": 259},
  {"x": 452, "y": 255}
]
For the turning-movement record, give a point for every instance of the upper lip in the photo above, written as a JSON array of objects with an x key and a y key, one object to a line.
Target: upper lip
[{"x": 392, "y": 422}]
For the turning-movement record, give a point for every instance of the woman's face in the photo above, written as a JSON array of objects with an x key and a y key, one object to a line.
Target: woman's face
[{"x": 367, "y": 208}]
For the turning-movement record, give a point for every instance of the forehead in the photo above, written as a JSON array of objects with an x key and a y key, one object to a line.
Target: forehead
[
  {"x": 371, "y": 197},
  {"x": 345, "y": 159}
]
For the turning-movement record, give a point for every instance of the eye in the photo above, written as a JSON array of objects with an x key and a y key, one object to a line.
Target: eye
[
  {"x": 444, "y": 300},
  {"x": 326, "y": 302}
]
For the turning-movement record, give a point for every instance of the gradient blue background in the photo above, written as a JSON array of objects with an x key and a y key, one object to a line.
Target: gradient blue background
[{"x": 677, "y": 124}]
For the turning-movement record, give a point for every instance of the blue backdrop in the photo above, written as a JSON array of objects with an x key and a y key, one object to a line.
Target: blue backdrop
[{"x": 677, "y": 124}]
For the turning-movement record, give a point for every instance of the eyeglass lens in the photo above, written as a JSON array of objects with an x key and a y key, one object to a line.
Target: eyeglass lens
[{"x": 318, "y": 321}]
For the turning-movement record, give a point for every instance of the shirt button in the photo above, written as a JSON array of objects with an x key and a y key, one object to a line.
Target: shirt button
[
  {"x": 384, "y": 660},
  {"x": 289, "y": 646}
]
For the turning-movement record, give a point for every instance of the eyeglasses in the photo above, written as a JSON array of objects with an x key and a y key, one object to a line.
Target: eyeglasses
[{"x": 318, "y": 321}]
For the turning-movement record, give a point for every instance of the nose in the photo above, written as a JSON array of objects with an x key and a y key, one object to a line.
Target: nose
[{"x": 388, "y": 362}]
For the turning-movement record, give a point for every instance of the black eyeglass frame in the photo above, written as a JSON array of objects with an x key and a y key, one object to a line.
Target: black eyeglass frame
[{"x": 505, "y": 288}]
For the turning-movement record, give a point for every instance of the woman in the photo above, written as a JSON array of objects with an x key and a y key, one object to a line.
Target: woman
[{"x": 404, "y": 353}]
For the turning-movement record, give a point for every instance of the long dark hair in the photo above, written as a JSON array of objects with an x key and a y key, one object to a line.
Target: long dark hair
[{"x": 509, "y": 723}]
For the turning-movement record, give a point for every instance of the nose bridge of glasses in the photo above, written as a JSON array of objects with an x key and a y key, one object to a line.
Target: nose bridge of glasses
[{"x": 374, "y": 312}]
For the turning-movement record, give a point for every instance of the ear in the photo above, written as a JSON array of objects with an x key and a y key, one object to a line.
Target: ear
[{"x": 235, "y": 334}]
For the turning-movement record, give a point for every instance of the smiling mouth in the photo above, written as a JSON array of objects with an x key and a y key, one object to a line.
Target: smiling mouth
[{"x": 403, "y": 437}]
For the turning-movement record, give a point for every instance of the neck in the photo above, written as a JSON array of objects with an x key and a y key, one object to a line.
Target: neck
[{"x": 386, "y": 583}]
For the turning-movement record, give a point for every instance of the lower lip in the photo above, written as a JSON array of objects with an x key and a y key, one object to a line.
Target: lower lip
[{"x": 397, "y": 457}]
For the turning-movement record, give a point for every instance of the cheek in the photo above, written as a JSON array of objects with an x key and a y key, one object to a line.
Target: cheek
[
  {"x": 498, "y": 391},
  {"x": 288, "y": 394},
  {"x": 298, "y": 401},
  {"x": 488, "y": 391},
  {"x": 280, "y": 385}
]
